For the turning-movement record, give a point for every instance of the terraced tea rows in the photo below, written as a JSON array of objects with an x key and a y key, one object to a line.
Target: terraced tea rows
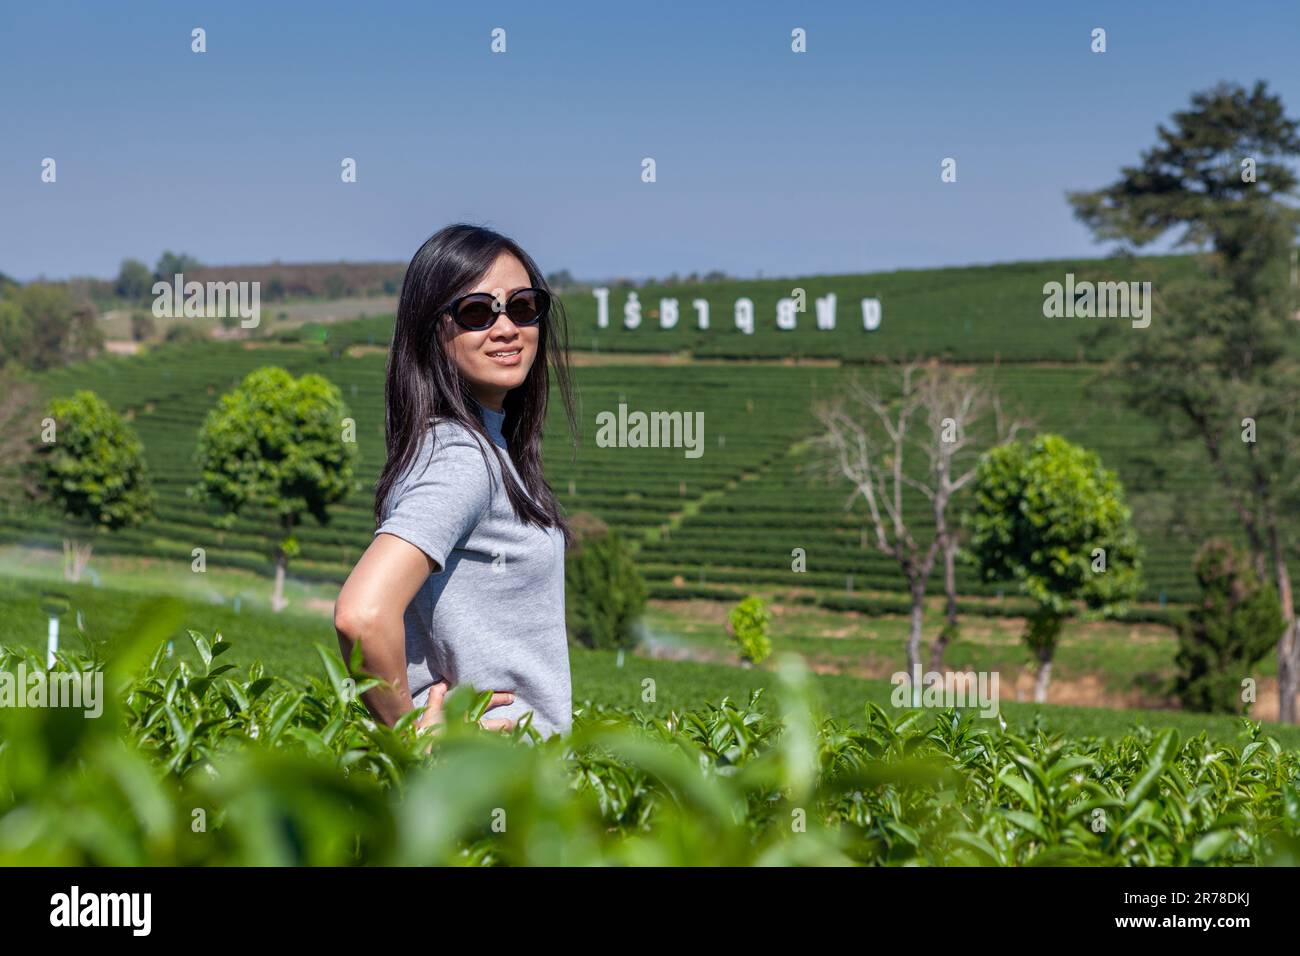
[
  {"x": 748, "y": 535},
  {"x": 730, "y": 517}
]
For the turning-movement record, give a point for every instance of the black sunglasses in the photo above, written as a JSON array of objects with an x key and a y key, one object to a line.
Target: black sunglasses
[{"x": 479, "y": 310}]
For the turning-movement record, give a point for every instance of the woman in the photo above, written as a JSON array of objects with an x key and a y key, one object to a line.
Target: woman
[{"x": 464, "y": 580}]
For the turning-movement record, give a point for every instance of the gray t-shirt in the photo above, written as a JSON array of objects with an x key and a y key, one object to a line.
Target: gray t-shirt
[{"x": 493, "y": 615}]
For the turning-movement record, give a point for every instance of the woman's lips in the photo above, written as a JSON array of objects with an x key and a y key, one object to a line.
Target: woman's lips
[{"x": 506, "y": 356}]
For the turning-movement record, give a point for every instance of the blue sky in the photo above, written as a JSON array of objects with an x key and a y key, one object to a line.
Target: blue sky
[{"x": 823, "y": 162}]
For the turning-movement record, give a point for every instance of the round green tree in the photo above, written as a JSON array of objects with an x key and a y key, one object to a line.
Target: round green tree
[
  {"x": 134, "y": 280},
  {"x": 1049, "y": 517},
  {"x": 90, "y": 465},
  {"x": 281, "y": 445}
]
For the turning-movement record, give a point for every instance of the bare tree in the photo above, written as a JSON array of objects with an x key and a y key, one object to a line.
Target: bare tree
[
  {"x": 866, "y": 441},
  {"x": 959, "y": 412}
]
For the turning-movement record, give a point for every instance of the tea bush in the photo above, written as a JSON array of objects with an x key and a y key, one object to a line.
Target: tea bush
[
  {"x": 603, "y": 590},
  {"x": 202, "y": 764},
  {"x": 747, "y": 625}
]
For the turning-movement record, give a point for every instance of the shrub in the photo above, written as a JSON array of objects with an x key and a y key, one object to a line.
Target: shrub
[
  {"x": 142, "y": 326},
  {"x": 747, "y": 625},
  {"x": 603, "y": 590},
  {"x": 45, "y": 325},
  {"x": 303, "y": 775},
  {"x": 1235, "y": 624},
  {"x": 182, "y": 334}
]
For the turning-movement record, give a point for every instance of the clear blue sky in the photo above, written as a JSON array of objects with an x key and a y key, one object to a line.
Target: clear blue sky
[{"x": 791, "y": 164}]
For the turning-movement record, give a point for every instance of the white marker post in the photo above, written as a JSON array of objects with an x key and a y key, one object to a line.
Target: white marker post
[{"x": 54, "y": 606}]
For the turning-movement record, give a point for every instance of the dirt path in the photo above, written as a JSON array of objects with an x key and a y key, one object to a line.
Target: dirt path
[{"x": 1014, "y": 684}]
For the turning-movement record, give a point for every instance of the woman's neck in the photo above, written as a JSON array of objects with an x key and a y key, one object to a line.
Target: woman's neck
[
  {"x": 493, "y": 421},
  {"x": 493, "y": 399}
]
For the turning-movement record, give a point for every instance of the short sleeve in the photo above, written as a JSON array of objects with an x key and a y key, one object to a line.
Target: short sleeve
[{"x": 442, "y": 497}]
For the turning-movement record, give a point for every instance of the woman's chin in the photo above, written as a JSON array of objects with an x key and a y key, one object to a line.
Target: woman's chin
[{"x": 509, "y": 377}]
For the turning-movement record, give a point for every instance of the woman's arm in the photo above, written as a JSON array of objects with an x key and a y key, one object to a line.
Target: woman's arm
[
  {"x": 442, "y": 498},
  {"x": 370, "y": 610}
]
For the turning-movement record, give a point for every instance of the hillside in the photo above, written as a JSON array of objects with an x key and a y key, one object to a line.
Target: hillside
[{"x": 730, "y": 518}]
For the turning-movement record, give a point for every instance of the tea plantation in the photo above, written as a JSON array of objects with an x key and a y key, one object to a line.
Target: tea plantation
[
  {"x": 236, "y": 766},
  {"x": 252, "y": 713},
  {"x": 727, "y": 519}
]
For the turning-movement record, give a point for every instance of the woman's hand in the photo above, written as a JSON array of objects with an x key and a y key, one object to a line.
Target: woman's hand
[{"x": 432, "y": 718}]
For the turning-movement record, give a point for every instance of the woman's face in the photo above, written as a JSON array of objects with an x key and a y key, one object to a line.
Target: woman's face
[{"x": 498, "y": 358}]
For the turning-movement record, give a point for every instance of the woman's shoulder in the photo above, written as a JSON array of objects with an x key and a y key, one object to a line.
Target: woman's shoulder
[
  {"x": 447, "y": 446},
  {"x": 449, "y": 465},
  {"x": 446, "y": 436}
]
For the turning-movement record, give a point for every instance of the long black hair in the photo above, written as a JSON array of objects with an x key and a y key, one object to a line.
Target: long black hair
[{"x": 423, "y": 385}]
